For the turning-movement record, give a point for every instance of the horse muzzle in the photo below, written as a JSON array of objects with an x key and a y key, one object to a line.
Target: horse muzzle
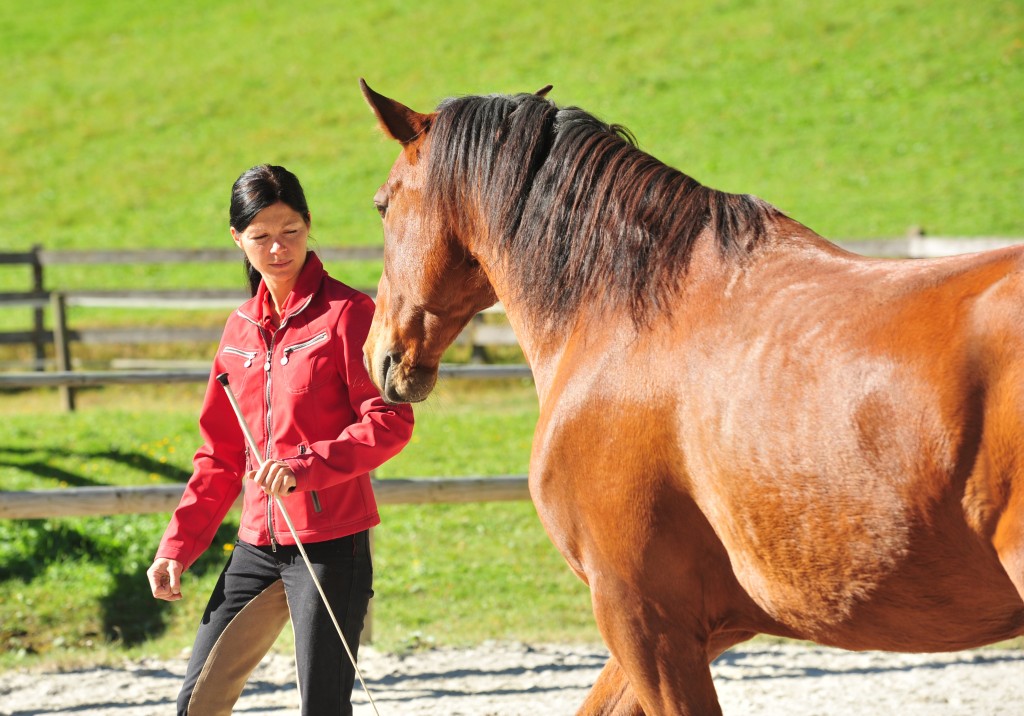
[{"x": 399, "y": 382}]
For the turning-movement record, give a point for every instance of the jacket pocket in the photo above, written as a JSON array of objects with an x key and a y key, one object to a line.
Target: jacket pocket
[
  {"x": 246, "y": 356},
  {"x": 239, "y": 365},
  {"x": 306, "y": 364}
]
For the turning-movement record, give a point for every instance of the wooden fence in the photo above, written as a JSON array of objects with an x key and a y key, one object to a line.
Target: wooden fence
[
  {"x": 93, "y": 501},
  {"x": 478, "y": 334},
  {"x": 102, "y": 500}
]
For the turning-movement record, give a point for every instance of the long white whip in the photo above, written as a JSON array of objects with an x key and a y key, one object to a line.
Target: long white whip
[{"x": 223, "y": 380}]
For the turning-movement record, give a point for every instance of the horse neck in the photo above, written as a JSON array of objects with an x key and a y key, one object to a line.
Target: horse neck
[
  {"x": 542, "y": 346},
  {"x": 597, "y": 329},
  {"x": 548, "y": 348}
]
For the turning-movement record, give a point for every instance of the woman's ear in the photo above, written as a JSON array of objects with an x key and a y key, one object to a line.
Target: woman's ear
[{"x": 237, "y": 237}]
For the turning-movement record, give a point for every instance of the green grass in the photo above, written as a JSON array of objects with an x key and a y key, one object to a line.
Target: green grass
[
  {"x": 75, "y": 588},
  {"x": 123, "y": 125}
]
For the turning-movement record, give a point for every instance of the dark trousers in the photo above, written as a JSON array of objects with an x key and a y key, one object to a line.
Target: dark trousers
[{"x": 257, "y": 592}]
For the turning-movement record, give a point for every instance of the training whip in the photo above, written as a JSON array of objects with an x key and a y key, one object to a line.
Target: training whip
[{"x": 223, "y": 380}]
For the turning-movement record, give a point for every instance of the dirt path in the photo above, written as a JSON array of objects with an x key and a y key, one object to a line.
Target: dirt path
[{"x": 519, "y": 680}]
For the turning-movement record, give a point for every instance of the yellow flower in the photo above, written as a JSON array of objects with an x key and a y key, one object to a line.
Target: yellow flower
[{"x": 228, "y": 547}]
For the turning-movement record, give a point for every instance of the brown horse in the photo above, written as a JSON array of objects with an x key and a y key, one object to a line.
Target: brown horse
[{"x": 743, "y": 428}]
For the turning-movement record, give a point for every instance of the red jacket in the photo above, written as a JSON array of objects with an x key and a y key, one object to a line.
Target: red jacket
[{"x": 308, "y": 400}]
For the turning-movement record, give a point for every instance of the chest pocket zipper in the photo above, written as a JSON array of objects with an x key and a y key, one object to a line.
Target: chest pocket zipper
[
  {"x": 288, "y": 350},
  {"x": 248, "y": 355}
]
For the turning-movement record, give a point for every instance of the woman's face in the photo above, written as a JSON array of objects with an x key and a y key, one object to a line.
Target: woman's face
[{"x": 275, "y": 243}]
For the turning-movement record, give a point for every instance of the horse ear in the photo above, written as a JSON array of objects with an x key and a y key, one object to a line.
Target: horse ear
[
  {"x": 398, "y": 121},
  {"x": 543, "y": 91}
]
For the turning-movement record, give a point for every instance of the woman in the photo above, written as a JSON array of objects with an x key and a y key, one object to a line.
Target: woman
[{"x": 293, "y": 355}]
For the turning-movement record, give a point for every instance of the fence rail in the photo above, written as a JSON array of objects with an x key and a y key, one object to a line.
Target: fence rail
[
  {"x": 91, "y": 379},
  {"x": 100, "y": 501},
  {"x": 478, "y": 334},
  {"x": 46, "y": 257}
]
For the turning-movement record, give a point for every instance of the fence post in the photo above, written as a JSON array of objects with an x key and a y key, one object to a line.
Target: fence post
[
  {"x": 38, "y": 328},
  {"x": 478, "y": 353},
  {"x": 61, "y": 347}
]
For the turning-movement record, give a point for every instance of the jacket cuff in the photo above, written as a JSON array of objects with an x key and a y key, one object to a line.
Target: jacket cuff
[
  {"x": 178, "y": 554},
  {"x": 300, "y": 466}
]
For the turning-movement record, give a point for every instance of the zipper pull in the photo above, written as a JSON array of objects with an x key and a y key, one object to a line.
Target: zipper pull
[{"x": 266, "y": 365}]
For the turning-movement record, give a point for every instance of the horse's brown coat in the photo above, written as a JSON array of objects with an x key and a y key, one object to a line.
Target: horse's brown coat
[{"x": 797, "y": 441}]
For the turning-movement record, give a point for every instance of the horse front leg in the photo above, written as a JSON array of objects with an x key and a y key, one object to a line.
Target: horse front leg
[
  {"x": 667, "y": 603},
  {"x": 611, "y": 694},
  {"x": 660, "y": 663}
]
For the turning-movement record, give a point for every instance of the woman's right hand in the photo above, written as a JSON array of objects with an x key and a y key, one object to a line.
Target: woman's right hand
[{"x": 165, "y": 579}]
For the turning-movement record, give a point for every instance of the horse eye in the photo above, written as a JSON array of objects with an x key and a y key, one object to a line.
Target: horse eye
[{"x": 382, "y": 208}]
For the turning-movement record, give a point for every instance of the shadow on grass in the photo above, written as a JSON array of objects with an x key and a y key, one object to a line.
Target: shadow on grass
[
  {"x": 44, "y": 467},
  {"x": 130, "y": 613}
]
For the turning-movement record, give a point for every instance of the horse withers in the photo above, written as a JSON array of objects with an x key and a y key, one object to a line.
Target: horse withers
[{"x": 743, "y": 428}]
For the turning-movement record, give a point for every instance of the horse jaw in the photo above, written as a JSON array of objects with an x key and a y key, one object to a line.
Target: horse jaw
[{"x": 396, "y": 366}]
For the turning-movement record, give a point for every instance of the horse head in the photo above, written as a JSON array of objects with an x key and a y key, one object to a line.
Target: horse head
[{"x": 432, "y": 284}]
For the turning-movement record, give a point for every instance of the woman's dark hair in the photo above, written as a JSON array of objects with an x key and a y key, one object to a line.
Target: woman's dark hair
[{"x": 254, "y": 191}]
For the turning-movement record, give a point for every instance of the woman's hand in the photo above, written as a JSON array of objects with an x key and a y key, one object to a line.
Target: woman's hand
[
  {"x": 165, "y": 579},
  {"x": 275, "y": 478}
]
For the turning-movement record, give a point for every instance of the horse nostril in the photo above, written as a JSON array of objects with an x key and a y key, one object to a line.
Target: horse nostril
[{"x": 391, "y": 359}]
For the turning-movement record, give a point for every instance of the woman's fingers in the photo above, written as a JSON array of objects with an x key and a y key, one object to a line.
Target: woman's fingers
[{"x": 275, "y": 478}]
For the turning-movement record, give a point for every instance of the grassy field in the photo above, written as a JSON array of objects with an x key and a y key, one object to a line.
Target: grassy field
[
  {"x": 123, "y": 125},
  {"x": 76, "y": 588}
]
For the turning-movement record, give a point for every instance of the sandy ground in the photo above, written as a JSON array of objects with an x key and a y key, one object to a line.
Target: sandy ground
[{"x": 516, "y": 679}]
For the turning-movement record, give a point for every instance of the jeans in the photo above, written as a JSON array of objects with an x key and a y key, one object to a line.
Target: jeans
[{"x": 258, "y": 590}]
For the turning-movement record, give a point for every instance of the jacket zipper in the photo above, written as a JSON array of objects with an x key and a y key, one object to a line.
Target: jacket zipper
[
  {"x": 266, "y": 454},
  {"x": 288, "y": 350},
  {"x": 267, "y": 403}
]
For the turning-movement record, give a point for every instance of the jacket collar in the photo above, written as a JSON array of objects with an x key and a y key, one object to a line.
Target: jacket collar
[{"x": 310, "y": 278}]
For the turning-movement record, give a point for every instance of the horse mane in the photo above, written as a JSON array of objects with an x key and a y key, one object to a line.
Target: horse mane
[{"x": 574, "y": 207}]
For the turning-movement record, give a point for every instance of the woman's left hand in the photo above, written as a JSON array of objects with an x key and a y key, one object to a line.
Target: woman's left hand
[{"x": 275, "y": 478}]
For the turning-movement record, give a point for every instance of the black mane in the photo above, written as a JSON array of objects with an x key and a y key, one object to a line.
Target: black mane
[{"x": 575, "y": 208}]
